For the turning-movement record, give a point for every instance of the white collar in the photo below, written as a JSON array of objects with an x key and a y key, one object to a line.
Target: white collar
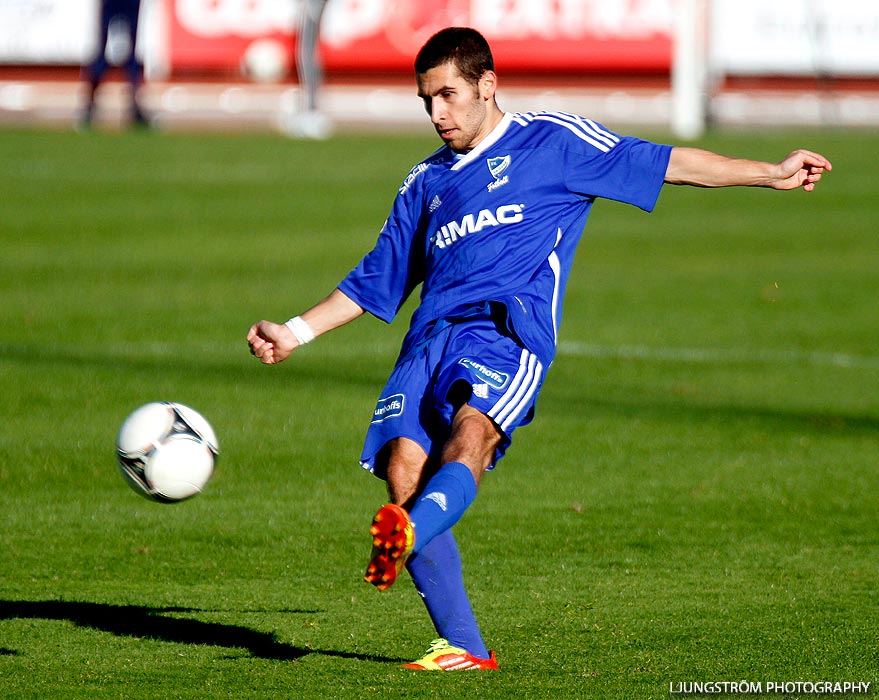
[{"x": 486, "y": 143}]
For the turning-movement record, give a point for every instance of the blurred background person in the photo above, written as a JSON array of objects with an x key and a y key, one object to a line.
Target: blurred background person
[
  {"x": 309, "y": 121},
  {"x": 125, "y": 12}
]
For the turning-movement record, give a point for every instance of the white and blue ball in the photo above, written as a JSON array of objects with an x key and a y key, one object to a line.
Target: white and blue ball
[{"x": 166, "y": 451}]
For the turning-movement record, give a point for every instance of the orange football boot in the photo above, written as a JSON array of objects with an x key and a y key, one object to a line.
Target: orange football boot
[{"x": 393, "y": 538}]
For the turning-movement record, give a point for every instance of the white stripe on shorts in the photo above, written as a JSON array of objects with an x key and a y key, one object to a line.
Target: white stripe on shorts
[{"x": 517, "y": 398}]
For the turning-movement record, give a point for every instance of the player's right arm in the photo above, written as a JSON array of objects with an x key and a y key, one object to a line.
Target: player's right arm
[{"x": 272, "y": 343}]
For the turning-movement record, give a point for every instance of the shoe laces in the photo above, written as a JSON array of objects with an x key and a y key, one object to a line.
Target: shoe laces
[{"x": 440, "y": 644}]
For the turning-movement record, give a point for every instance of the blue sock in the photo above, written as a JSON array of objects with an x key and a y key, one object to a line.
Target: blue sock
[
  {"x": 436, "y": 572},
  {"x": 442, "y": 503}
]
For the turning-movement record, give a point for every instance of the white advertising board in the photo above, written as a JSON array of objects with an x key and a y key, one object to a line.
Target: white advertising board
[
  {"x": 795, "y": 37},
  {"x": 47, "y": 31}
]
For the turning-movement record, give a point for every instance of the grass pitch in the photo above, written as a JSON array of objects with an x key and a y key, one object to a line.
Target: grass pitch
[{"x": 696, "y": 501}]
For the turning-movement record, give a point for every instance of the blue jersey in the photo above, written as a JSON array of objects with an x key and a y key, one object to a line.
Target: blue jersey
[{"x": 501, "y": 223}]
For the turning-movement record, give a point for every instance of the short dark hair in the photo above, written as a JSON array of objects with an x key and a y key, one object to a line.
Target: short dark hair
[{"x": 463, "y": 46}]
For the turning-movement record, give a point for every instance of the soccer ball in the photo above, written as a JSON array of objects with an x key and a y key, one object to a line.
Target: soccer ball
[
  {"x": 265, "y": 61},
  {"x": 166, "y": 451}
]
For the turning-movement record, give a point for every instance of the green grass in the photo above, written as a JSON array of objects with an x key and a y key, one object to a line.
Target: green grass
[{"x": 696, "y": 501}]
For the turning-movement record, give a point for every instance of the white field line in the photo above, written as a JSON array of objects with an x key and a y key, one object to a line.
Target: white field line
[{"x": 718, "y": 355}]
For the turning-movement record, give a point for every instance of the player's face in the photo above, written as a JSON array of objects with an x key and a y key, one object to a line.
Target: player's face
[{"x": 462, "y": 113}]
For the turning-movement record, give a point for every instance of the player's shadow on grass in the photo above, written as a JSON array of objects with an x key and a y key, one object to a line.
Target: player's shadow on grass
[{"x": 145, "y": 622}]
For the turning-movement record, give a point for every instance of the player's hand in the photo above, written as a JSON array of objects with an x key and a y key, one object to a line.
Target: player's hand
[
  {"x": 801, "y": 169},
  {"x": 271, "y": 343}
]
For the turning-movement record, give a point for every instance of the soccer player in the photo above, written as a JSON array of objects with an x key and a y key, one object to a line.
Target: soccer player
[
  {"x": 487, "y": 225},
  {"x": 127, "y": 11},
  {"x": 309, "y": 122}
]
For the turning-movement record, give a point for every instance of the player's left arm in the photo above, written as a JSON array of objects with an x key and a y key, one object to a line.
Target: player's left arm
[
  {"x": 272, "y": 343},
  {"x": 701, "y": 168}
]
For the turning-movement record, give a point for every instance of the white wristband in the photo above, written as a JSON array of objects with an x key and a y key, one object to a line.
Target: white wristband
[{"x": 300, "y": 329}]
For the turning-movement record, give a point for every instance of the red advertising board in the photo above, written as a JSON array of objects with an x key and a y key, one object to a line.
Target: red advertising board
[
  {"x": 212, "y": 36},
  {"x": 562, "y": 36}
]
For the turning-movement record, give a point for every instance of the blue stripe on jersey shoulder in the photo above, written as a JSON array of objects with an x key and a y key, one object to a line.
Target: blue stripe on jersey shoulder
[{"x": 589, "y": 131}]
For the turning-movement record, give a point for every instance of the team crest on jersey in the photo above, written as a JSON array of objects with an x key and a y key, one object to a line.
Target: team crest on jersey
[
  {"x": 388, "y": 407},
  {"x": 488, "y": 375},
  {"x": 497, "y": 166}
]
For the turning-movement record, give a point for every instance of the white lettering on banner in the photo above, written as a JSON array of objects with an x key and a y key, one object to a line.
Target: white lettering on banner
[
  {"x": 246, "y": 18},
  {"x": 348, "y": 21},
  {"x": 573, "y": 19}
]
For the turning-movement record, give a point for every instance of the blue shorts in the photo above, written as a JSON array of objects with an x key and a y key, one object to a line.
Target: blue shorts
[{"x": 466, "y": 362}]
